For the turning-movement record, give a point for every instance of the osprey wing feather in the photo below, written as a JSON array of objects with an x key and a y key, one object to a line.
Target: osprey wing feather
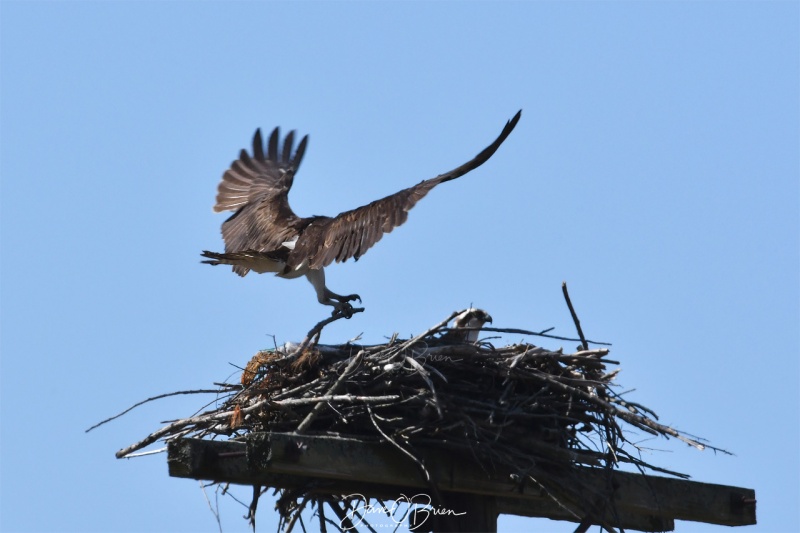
[
  {"x": 252, "y": 178},
  {"x": 265, "y": 235},
  {"x": 352, "y": 233},
  {"x": 257, "y": 189}
]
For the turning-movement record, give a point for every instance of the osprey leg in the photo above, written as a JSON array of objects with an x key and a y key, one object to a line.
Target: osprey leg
[{"x": 327, "y": 297}]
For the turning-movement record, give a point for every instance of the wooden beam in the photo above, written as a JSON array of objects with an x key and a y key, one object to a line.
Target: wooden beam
[
  {"x": 548, "y": 509},
  {"x": 348, "y": 466}
]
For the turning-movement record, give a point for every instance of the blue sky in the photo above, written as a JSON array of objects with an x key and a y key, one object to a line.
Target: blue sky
[{"x": 655, "y": 169}]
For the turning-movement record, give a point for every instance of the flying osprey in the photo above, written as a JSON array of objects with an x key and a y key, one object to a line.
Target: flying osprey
[{"x": 264, "y": 234}]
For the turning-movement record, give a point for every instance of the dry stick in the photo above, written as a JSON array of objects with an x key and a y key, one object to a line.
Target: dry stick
[
  {"x": 297, "y": 390},
  {"x": 626, "y": 457},
  {"x": 540, "y": 334},
  {"x": 424, "y": 374},
  {"x": 586, "y": 523},
  {"x": 574, "y": 316},
  {"x": 343, "y": 518},
  {"x": 430, "y": 331},
  {"x": 149, "y": 452},
  {"x": 637, "y": 420},
  {"x": 296, "y": 514},
  {"x": 317, "y": 330},
  {"x": 433, "y": 369},
  {"x": 211, "y": 507},
  {"x": 167, "y": 395},
  {"x": 396, "y": 445},
  {"x": 251, "y": 511},
  {"x": 321, "y": 513},
  {"x": 168, "y": 429},
  {"x": 319, "y": 400},
  {"x": 216, "y": 415},
  {"x": 419, "y": 463},
  {"x": 318, "y": 408}
]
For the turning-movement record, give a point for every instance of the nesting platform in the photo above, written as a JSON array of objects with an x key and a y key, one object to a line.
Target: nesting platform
[{"x": 470, "y": 426}]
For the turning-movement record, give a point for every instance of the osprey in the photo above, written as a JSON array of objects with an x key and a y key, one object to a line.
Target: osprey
[
  {"x": 467, "y": 326},
  {"x": 265, "y": 235}
]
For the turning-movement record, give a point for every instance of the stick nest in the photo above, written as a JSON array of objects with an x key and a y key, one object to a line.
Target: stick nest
[{"x": 521, "y": 406}]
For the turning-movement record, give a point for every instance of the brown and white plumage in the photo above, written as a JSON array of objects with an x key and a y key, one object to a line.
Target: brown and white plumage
[
  {"x": 467, "y": 325},
  {"x": 265, "y": 235}
]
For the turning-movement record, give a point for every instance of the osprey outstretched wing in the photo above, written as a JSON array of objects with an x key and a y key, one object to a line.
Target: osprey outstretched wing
[{"x": 265, "y": 235}]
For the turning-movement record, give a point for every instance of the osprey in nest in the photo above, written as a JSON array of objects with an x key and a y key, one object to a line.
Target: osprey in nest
[{"x": 264, "y": 234}]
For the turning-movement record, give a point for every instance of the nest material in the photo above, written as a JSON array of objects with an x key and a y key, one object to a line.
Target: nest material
[{"x": 521, "y": 406}]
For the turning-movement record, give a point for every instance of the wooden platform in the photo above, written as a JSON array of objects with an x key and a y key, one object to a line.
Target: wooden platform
[{"x": 334, "y": 465}]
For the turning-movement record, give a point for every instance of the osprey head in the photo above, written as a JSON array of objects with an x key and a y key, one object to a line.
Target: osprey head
[
  {"x": 472, "y": 318},
  {"x": 470, "y": 321}
]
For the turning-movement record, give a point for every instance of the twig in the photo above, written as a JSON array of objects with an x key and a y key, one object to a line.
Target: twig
[
  {"x": 437, "y": 497},
  {"x": 574, "y": 316},
  {"x": 430, "y": 331},
  {"x": 349, "y": 398},
  {"x": 160, "y": 396},
  {"x": 354, "y": 362},
  {"x": 344, "y": 520},
  {"x": 179, "y": 424},
  {"x": 394, "y": 443},
  {"x": 148, "y": 452},
  {"x": 323, "y": 528},
  {"x": 424, "y": 374},
  {"x": 215, "y": 512},
  {"x": 251, "y": 511},
  {"x": 517, "y": 331},
  {"x": 297, "y": 512},
  {"x": 316, "y": 331}
]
